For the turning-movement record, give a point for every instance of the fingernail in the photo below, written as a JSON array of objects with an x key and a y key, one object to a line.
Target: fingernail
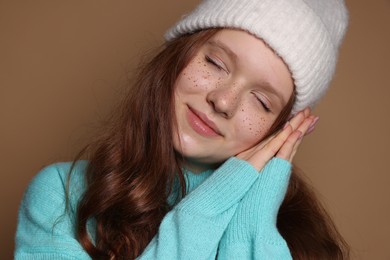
[
  {"x": 314, "y": 122},
  {"x": 300, "y": 135},
  {"x": 311, "y": 129},
  {"x": 286, "y": 125}
]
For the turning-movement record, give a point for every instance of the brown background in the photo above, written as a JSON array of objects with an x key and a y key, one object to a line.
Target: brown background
[{"x": 63, "y": 66}]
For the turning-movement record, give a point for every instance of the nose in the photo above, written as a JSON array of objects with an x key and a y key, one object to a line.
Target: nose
[{"x": 224, "y": 100}]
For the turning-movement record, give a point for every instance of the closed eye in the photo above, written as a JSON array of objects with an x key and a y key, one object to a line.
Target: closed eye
[
  {"x": 214, "y": 63},
  {"x": 264, "y": 104}
]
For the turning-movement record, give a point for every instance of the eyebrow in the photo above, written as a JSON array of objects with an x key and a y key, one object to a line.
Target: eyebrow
[
  {"x": 221, "y": 45},
  {"x": 271, "y": 89},
  {"x": 265, "y": 84}
]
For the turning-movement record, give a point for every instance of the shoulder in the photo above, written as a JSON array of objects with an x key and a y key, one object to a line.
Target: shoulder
[
  {"x": 44, "y": 216},
  {"x": 56, "y": 176},
  {"x": 49, "y": 186}
]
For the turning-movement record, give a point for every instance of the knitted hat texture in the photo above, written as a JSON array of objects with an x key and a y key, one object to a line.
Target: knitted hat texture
[{"x": 306, "y": 34}]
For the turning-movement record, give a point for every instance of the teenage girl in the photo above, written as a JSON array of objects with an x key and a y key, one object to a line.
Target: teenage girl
[{"x": 196, "y": 163}]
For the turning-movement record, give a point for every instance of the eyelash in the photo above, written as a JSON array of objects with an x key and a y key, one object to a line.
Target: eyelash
[
  {"x": 213, "y": 62},
  {"x": 266, "y": 108}
]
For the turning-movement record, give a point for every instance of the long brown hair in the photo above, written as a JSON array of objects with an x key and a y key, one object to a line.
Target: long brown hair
[{"x": 132, "y": 167}]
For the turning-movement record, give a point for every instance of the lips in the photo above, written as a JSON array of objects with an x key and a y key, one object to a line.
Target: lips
[{"x": 201, "y": 124}]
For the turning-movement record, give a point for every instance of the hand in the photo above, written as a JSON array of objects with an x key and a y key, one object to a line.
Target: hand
[{"x": 282, "y": 144}]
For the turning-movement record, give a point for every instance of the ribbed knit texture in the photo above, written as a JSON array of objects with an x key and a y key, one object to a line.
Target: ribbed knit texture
[
  {"x": 259, "y": 208},
  {"x": 305, "y": 33},
  {"x": 216, "y": 217},
  {"x": 224, "y": 188},
  {"x": 44, "y": 231}
]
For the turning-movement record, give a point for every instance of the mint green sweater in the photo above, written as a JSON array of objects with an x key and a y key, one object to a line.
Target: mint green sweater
[{"x": 229, "y": 213}]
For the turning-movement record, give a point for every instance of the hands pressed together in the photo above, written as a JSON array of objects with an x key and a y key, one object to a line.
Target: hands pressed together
[{"x": 282, "y": 144}]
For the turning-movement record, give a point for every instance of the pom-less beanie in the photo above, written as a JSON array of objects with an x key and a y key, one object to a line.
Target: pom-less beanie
[{"x": 306, "y": 34}]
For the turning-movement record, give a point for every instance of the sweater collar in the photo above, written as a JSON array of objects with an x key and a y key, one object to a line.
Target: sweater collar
[{"x": 192, "y": 180}]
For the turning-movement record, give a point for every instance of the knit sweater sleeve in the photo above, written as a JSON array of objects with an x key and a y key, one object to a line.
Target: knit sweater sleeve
[
  {"x": 252, "y": 232},
  {"x": 194, "y": 227},
  {"x": 45, "y": 230}
]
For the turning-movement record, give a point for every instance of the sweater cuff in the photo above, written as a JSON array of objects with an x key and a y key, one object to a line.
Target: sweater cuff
[
  {"x": 224, "y": 188},
  {"x": 270, "y": 189},
  {"x": 267, "y": 194},
  {"x": 256, "y": 214}
]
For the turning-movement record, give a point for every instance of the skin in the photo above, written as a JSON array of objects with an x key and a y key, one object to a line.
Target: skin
[{"x": 226, "y": 100}]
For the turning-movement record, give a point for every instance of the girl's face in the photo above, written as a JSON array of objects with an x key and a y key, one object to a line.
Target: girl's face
[{"x": 227, "y": 98}]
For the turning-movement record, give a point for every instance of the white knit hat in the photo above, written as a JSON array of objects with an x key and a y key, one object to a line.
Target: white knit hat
[{"x": 305, "y": 33}]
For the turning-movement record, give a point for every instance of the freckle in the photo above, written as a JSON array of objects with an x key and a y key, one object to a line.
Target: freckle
[{"x": 250, "y": 128}]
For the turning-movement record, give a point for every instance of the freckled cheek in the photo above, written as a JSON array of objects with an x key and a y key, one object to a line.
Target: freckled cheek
[
  {"x": 253, "y": 126},
  {"x": 197, "y": 76}
]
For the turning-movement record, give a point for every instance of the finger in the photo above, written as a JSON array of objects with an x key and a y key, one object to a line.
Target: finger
[
  {"x": 260, "y": 158},
  {"x": 295, "y": 148},
  {"x": 245, "y": 155},
  {"x": 288, "y": 147},
  {"x": 301, "y": 122},
  {"x": 303, "y": 128},
  {"x": 312, "y": 126},
  {"x": 269, "y": 139},
  {"x": 306, "y": 124},
  {"x": 306, "y": 112},
  {"x": 299, "y": 118}
]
